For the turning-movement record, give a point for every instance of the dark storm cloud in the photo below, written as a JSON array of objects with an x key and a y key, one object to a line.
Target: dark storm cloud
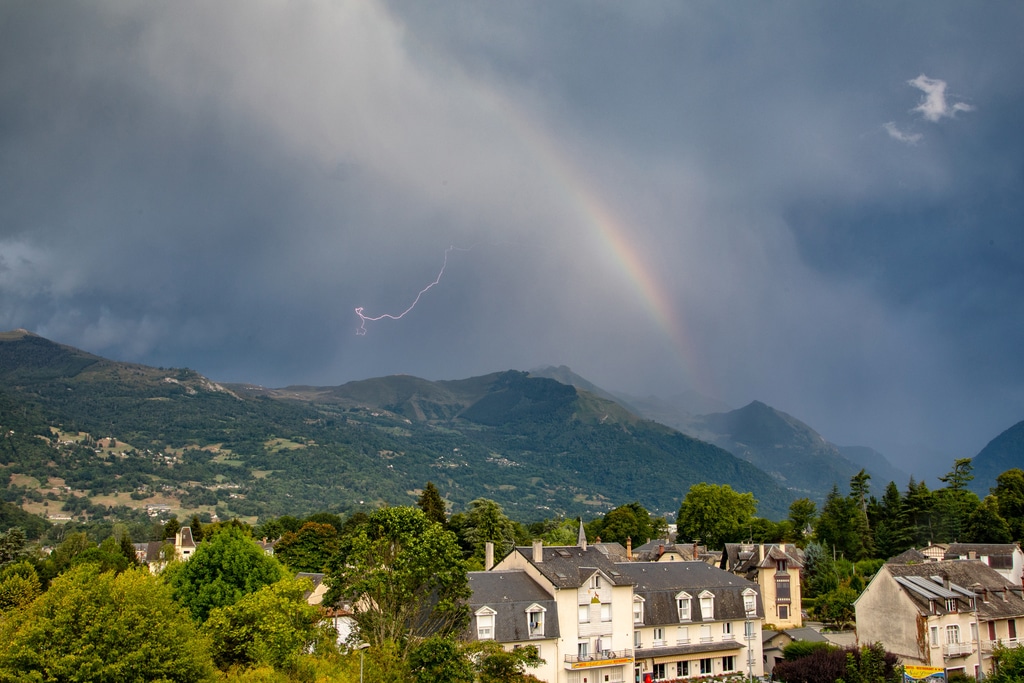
[{"x": 825, "y": 198}]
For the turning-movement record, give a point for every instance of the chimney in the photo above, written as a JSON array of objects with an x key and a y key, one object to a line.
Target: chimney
[
  {"x": 629, "y": 548},
  {"x": 696, "y": 550},
  {"x": 661, "y": 549},
  {"x": 782, "y": 547},
  {"x": 972, "y": 555},
  {"x": 760, "y": 553},
  {"x": 538, "y": 551},
  {"x": 488, "y": 556}
]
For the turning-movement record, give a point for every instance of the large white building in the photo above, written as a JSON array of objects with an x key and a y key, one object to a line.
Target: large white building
[{"x": 598, "y": 621}]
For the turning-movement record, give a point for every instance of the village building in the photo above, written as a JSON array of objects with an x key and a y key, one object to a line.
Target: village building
[{"x": 775, "y": 568}]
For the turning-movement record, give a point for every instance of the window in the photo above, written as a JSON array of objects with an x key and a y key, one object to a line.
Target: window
[
  {"x": 783, "y": 612},
  {"x": 953, "y": 634},
  {"x": 535, "y": 620},
  {"x": 728, "y": 663},
  {"x": 682, "y": 635},
  {"x": 749, "y": 602},
  {"x": 748, "y": 630},
  {"x": 637, "y": 642},
  {"x": 584, "y": 614},
  {"x": 951, "y": 604},
  {"x": 659, "y": 672},
  {"x": 935, "y": 636},
  {"x": 595, "y": 581},
  {"x": 782, "y": 593},
  {"x": 606, "y": 611},
  {"x": 991, "y": 630},
  {"x": 1012, "y": 625},
  {"x": 727, "y": 628},
  {"x": 682, "y": 669},
  {"x": 705, "y": 634},
  {"x": 974, "y": 632},
  {"x": 583, "y": 648},
  {"x": 706, "y": 666},
  {"x": 683, "y": 606},
  {"x": 485, "y": 624},
  {"x": 638, "y": 610},
  {"x": 659, "y": 637},
  {"x": 707, "y": 606}
]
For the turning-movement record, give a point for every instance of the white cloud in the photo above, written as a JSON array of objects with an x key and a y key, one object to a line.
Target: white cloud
[
  {"x": 934, "y": 106},
  {"x": 897, "y": 134}
]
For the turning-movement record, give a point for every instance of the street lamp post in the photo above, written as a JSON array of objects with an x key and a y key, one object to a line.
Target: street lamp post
[
  {"x": 361, "y": 647},
  {"x": 749, "y": 633}
]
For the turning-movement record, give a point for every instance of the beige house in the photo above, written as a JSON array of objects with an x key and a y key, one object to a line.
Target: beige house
[
  {"x": 775, "y": 568},
  {"x": 946, "y": 614},
  {"x": 598, "y": 621}
]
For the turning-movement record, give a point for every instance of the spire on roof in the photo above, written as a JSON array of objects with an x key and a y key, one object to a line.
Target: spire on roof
[{"x": 581, "y": 540}]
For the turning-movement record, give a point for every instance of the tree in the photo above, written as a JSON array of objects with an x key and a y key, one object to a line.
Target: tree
[
  {"x": 440, "y": 660},
  {"x": 498, "y": 665},
  {"x": 19, "y": 586},
  {"x": 405, "y": 577},
  {"x": 627, "y": 521},
  {"x": 802, "y": 513},
  {"x": 485, "y": 521},
  {"x": 839, "y": 526},
  {"x": 715, "y": 514},
  {"x": 955, "y": 502},
  {"x": 273, "y": 626},
  {"x": 309, "y": 549},
  {"x": 986, "y": 525},
  {"x": 92, "y": 626},
  {"x": 836, "y": 607},
  {"x": 1009, "y": 491},
  {"x": 433, "y": 505},
  {"x": 894, "y": 532},
  {"x": 223, "y": 569},
  {"x": 12, "y": 545},
  {"x": 1009, "y": 664}
]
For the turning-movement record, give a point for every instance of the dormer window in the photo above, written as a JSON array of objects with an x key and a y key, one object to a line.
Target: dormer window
[
  {"x": 638, "y": 609},
  {"x": 750, "y": 602},
  {"x": 951, "y": 605},
  {"x": 485, "y": 623},
  {"x": 781, "y": 565},
  {"x": 535, "y": 621},
  {"x": 595, "y": 582},
  {"x": 683, "y": 606},
  {"x": 707, "y": 606}
]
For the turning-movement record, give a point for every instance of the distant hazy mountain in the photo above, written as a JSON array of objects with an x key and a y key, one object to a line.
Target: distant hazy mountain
[
  {"x": 796, "y": 455},
  {"x": 535, "y": 445},
  {"x": 565, "y": 375},
  {"x": 878, "y": 466},
  {"x": 677, "y": 411},
  {"x": 1004, "y": 452}
]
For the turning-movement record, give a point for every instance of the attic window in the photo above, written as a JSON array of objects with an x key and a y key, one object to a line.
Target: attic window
[
  {"x": 485, "y": 623},
  {"x": 683, "y": 606},
  {"x": 707, "y": 606},
  {"x": 563, "y": 553},
  {"x": 638, "y": 610},
  {"x": 535, "y": 621},
  {"x": 951, "y": 605},
  {"x": 750, "y": 602}
]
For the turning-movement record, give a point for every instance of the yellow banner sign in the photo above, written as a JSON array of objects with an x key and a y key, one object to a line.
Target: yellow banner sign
[{"x": 913, "y": 674}]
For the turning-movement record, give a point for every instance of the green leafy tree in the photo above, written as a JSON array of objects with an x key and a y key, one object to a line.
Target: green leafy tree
[
  {"x": 836, "y": 607},
  {"x": 986, "y": 525},
  {"x": 223, "y": 569},
  {"x": 802, "y": 513},
  {"x": 820, "y": 573},
  {"x": 92, "y": 626},
  {"x": 715, "y": 514},
  {"x": 19, "y": 586},
  {"x": 405, "y": 577},
  {"x": 1009, "y": 664},
  {"x": 12, "y": 546},
  {"x": 432, "y": 504},
  {"x": 627, "y": 521},
  {"x": 1009, "y": 491},
  {"x": 309, "y": 549},
  {"x": 498, "y": 665},
  {"x": 273, "y": 626},
  {"x": 484, "y": 521},
  {"x": 440, "y": 660}
]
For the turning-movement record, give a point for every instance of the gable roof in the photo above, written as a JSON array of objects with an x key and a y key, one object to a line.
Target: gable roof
[
  {"x": 747, "y": 558},
  {"x": 510, "y": 593},
  {"x": 658, "y": 583},
  {"x": 569, "y": 566},
  {"x": 930, "y": 584}
]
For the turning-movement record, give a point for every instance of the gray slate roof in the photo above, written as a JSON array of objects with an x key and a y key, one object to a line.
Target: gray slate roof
[
  {"x": 742, "y": 558},
  {"x": 658, "y": 583},
  {"x": 911, "y": 556},
  {"x": 571, "y": 566},
  {"x": 998, "y": 598},
  {"x": 509, "y": 593}
]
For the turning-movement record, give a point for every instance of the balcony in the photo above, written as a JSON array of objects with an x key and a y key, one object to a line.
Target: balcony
[
  {"x": 957, "y": 650},
  {"x": 602, "y": 658},
  {"x": 989, "y": 645}
]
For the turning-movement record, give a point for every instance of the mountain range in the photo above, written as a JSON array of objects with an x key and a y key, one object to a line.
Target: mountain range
[{"x": 544, "y": 443}]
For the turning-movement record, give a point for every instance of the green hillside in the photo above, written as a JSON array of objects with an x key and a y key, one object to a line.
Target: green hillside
[{"x": 112, "y": 435}]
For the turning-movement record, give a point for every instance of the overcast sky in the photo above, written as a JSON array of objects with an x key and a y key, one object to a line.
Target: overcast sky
[{"x": 816, "y": 205}]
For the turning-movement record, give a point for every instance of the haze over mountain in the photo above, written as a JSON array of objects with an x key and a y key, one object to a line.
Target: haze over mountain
[{"x": 1002, "y": 453}]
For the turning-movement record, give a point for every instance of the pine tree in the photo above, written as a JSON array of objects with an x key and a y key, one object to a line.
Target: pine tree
[{"x": 432, "y": 504}]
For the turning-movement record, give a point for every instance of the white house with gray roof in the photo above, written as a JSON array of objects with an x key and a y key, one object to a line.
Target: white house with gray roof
[{"x": 691, "y": 619}]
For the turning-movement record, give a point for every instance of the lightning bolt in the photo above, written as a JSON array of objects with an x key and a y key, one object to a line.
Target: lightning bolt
[{"x": 363, "y": 319}]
